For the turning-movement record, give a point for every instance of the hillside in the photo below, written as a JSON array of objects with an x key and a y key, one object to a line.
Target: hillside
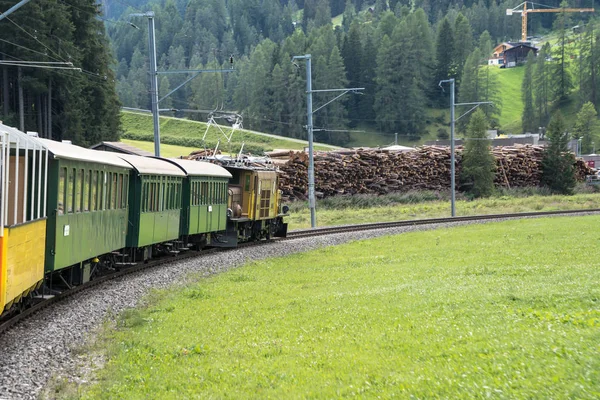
[{"x": 181, "y": 136}]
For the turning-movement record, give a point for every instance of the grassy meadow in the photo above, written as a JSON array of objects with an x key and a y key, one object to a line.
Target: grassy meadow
[
  {"x": 499, "y": 310},
  {"x": 418, "y": 205},
  {"x": 188, "y": 133}
]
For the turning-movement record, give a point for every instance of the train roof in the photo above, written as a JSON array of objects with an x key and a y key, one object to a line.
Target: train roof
[
  {"x": 69, "y": 151},
  {"x": 152, "y": 165},
  {"x": 200, "y": 168}
]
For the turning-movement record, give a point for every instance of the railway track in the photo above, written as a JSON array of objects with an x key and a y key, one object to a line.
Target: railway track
[
  {"x": 297, "y": 234},
  {"x": 303, "y": 233}
]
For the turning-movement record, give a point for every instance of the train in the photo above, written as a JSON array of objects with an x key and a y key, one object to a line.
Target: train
[{"x": 70, "y": 214}]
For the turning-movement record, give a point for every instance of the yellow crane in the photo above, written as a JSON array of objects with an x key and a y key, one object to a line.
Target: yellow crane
[{"x": 524, "y": 11}]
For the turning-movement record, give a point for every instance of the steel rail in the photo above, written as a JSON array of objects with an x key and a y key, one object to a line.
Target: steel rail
[{"x": 296, "y": 234}]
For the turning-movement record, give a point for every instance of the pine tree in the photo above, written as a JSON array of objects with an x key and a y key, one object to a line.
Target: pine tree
[
  {"x": 586, "y": 127},
  {"x": 562, "y": 79},
  {"x": 444, "y": 60},
  {"x": 470, "y": 90},
  {"x": 83, "y": 104},
  {"x": 463, "y": 42},
  {"x": 385, "y": 105},
  {"x": 541, "y": 87},
  {"x": 485, "y": 44},
  {"x": 528, "y": 122},
  {"x": 558, "y": 172},
  {"x": 589, "y": 66},
  {"x": 352, "y": 52},
  {"x": 367, "y": 79},
  {"x": 478, "y": 164},
  {"x": 337, "y": 114}
]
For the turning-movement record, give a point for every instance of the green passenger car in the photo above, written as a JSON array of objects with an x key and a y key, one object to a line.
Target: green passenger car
[
  {"x": 155, "y": 191},
  {"x": 87, "y": 204},
  {"x": 204, "y": 206}
]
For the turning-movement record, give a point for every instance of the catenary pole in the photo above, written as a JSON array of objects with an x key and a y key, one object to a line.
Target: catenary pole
[
  {"x": 311, "y": 160},
  {"x": 309, "y": 128},
  {"x": 154, "y": 77},
  {"x": 153, "y": 82},
  {"x": 453, "y": 120},
  {"x": 452, "y": 157}
]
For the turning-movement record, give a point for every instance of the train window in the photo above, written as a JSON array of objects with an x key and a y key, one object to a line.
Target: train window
[
  {"x": 114, "y": 189},
  {"x": 155, "y": 190},
  {"x": 174, "y": 194},
  {"x": 159, "y": 195},
  {"x": 247, "y": 185},
  {"x": 150, "y": 196},
  {"x": 94, "y": 185},
  {"x": 62, "y": 188},
  {"x": 107, "y": 184},
  {"x": 86, "y": 190},
  {"x": 125, "y": 191},
  {"x": 72, "y": 189},
  {"x": 161, "y": 199},
  {"x": 120, "y": 191},
  {"x": 198, "y": 194},
  {"x": 144, "y": 196},
  {"x": 167, "y": 193},
  {"x": 165, "y": 196},
  {"x": 78, "y": 189},
  {"x": 101, "y": 190}
]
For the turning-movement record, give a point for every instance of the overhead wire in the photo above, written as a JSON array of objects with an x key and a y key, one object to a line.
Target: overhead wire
[
  {"x": 35, "y": 38},
  {"x": 85, "y": 72}
]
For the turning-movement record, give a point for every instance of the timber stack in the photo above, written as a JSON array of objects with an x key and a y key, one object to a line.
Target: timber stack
[{"x": 426, "y": 168}]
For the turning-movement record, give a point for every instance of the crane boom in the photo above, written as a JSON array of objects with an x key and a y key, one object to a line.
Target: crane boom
[{"x": 526, "y": 11}]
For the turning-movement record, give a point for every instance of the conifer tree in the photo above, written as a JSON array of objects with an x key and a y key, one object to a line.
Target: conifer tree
[
  {"x": 541, "y": 86},
  {"x": 352, "y": 52},
  {"x": 367, "y": 79},
  {"x": 558, "y": 172},
  {"x": 528, "y": 122},
  {"x": 586, "y": 127},
  {"x": 562, "y": 79},
  {"x": 463, "y": 42},
  {"x": 444, "y": 59},
  {"x": 478, "y": 163}
]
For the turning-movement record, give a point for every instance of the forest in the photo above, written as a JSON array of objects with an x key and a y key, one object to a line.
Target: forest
[
  {"x": 398, "y": 50},
  {"x": 39, "y": 91}
]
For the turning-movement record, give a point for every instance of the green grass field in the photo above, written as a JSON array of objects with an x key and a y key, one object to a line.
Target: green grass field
[
  {"x": 510, "y": 81},
  {"x": 502, "y": 310},
  {"x": 358, "y": 210},
  {"x": 187, "y": 133},
  {"x": 166, "y": 150}
]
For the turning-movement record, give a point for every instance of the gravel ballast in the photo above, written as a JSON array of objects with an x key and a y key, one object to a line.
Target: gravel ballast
[{"x": 45, "y": 345}]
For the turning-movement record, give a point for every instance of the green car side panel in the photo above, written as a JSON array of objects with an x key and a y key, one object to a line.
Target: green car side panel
[
  {"x": 150, "y": 227},
  {"x": 75, "y": 237},
  {"x": 197, "y": 219}
]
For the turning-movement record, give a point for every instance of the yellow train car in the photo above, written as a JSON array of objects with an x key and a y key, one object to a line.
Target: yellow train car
[{"x": 23, "y": 184}]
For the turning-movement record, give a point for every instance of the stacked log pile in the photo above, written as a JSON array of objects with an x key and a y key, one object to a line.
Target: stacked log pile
[{"x": 426, "y": 168}]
